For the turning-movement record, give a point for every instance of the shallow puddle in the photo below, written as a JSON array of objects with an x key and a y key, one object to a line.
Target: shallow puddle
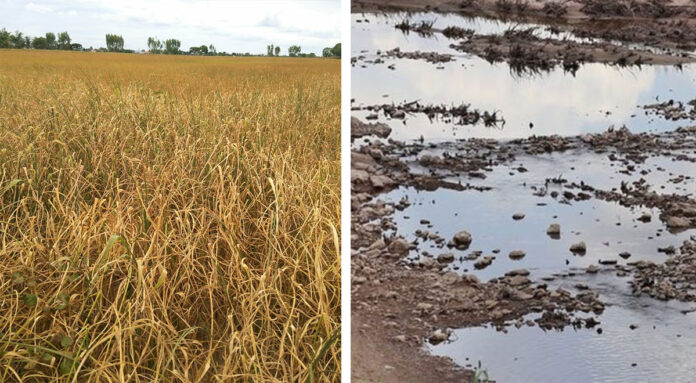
[
  {"x": 596, "y": 97},
  {"x": 661, "y": 344},
  {"x": 607, "y": 228}
]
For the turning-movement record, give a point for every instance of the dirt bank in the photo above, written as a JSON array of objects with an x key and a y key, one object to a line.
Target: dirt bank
[{"x": 668, "y": 25}]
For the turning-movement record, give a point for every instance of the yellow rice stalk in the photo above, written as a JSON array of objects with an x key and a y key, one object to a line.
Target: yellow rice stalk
[{"x": 168, "y": 218}]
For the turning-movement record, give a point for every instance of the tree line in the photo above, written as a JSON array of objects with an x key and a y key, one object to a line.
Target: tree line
[
  {"x": 19, "y": 40},
  {"x": 296, "y": 51},
  {"x": 116, "y": 43}
]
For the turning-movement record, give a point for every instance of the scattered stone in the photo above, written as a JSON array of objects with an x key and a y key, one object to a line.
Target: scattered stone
[
  {"x": 445, "y": 258},
  {"x": 579, "y": 248},
  {"x": 518, "y": 280},
  {"x": 360, "y": 129},
  {"x": 438, "y": 336},
  {"x": 483, "y": 263},
  {"x": 513, "y": 273},
  {"x": 517, "y": 254},
  {"x": 451, "y": 277},
  {"x": 400, "y": 247},
  {"x": 518, "y": 216},
  {"x": 461, "y": 240},
  {"x": 554, "y": 230},
  {"x": 669, "y": 250}
]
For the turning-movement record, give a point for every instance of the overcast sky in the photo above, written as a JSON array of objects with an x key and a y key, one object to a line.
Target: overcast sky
[{"x": 232, "y": 25}]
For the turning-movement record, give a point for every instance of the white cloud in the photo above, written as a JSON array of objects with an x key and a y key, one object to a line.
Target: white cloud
[
  {"x": 71, "y": 12},
  {"x": 33, "y": 7}
]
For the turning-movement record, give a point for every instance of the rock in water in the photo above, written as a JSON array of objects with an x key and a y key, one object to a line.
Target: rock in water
[
  {"x": 578, "y": 248},
  {"x": 461, "y": 240},
  {"x": 518, "y": 216},
  {"x": 554, "y": 230},
  {"x": 514, "y": 273},
  {"x": 483, "y": 263},
  {"x": 517, "y": 254},
  {"x": 445, "y": 258}
]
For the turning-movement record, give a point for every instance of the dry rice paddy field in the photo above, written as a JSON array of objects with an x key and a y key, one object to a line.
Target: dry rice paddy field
[{"x": 169, "y": 218}]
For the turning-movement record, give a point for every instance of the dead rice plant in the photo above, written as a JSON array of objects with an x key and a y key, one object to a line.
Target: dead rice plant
[{"x": 168, "y": 218}]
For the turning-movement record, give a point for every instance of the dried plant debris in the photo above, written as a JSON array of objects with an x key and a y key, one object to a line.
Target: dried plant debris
[
  {"x": 673, "y": 279},
  {"x": 423, "y": 27},
  {"x": 462, "y": 114},
  {"x": 431, "y": 57},
  {"x": 673, "y": 110},
  {"x": 628, "y": 8}
]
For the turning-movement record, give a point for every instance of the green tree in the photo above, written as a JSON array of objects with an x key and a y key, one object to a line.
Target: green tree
[
  {"x": 172, "y": 46},
  {"x": 277, "y": 51},
  {"x": 211, "y": 49},
  {"x": 39, "y": 43},
  {"x": 294, "y": 50},
  {"x": 4, "y": 38},
  {"x": 19, "y": 41},
  {"x": 154, "y": 45},
  {"x": 336, "y": 50},
  {"x": 202, "y": 50},
  {"x": 327, "y": 52},
  {"x": 64, "y": 41},
  {"x": 51, "y": 40},
  {"x": 270, "y": 50},
  {"x": 114, "y": 43}
]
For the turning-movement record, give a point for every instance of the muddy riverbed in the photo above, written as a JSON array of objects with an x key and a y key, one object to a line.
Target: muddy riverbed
[{"x": 535, "y": 224}]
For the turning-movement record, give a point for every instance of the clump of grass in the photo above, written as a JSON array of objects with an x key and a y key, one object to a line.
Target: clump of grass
[
  {"x": 404, "y": 25},
  {"x": 555, "y": 9},
  {"x": 424, "y": 27},
  {"x": 632, "y": 8},
  {"x": 454, "y": 32},
  {"x": 169, "y": 218},
  {"x": 511, "y": 6},
  {"x": 504, "y": 6}
]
